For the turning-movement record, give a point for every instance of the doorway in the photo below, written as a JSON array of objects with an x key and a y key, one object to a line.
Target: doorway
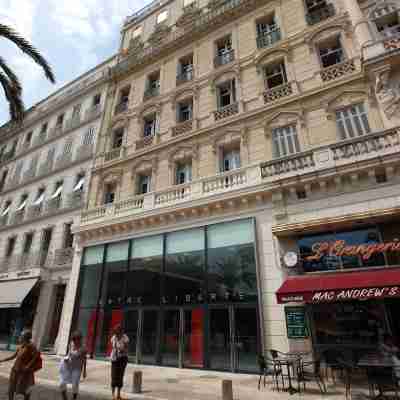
[{"x": 58, "y": 307}]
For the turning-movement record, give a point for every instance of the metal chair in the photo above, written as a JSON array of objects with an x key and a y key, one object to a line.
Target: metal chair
[
  {"x": 270, "y": 368},
  {"x": 309, "y": 371}
]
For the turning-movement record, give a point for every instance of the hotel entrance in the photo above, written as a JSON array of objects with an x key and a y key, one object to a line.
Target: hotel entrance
[{"x": 185, "y": 299}]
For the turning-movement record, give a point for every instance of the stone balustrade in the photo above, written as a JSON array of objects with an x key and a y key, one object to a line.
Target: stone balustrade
[
  {"x": 226, "y": 111},
  {"x": 295, "y": 163},
  {"x": 182, "y": 127},
  {"x": 173, "y": 195},
  {"x": 278, "y": 92},
  {"x": 338, "y": 70},
  {"x": 144, "y": 142}
]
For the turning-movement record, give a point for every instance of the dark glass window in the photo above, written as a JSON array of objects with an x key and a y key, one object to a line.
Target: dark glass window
[
  {"x": 184, "y": 270},
  {"x": 327, "y": 251}
]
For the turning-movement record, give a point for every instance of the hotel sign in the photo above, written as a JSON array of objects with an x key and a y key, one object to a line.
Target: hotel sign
[{"x": 340, "y": 248}]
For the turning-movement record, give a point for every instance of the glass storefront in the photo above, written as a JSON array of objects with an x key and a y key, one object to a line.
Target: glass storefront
[{"x": 187, "y": 298}]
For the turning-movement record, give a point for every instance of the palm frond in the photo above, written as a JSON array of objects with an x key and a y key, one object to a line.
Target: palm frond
[
  {"x": 14, "y": 98},
  {"x": 10, "y": 74},
  {"x": 27, "y": 48}
]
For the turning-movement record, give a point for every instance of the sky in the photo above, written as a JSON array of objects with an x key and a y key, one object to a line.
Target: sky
[{"x": 73, "y": 35}]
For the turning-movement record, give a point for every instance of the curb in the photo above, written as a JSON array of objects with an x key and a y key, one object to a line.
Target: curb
[{"x": 90, "y": 389}]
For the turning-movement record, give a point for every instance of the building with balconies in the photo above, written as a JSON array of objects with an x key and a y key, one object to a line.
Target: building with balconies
[
  {"x": 44, "y": 172},
  {"x": 251, "y": 148}
]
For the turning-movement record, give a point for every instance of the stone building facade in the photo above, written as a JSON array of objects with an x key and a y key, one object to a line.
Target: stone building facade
[
  {"x": 44, "y": 169},
  {"x": 234, "y": 132}
]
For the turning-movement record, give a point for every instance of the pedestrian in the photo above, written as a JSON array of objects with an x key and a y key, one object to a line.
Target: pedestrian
[
  {"x": 26, "y": 357},
  {"x": 119, "y": 360},
  {"x": 73, "y": 366}
]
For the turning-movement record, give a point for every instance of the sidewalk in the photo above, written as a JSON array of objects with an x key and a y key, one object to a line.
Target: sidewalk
[{"x": 162, "y": 383}]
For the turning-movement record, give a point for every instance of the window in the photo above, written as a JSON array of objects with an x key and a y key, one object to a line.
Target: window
[
  {"x": 6, "y": 208},
  {"x": 124, "y": 94},
  {"x": 275, "y": 75},
  {"x": 331, "y": 52},
  {"x": 118, "y": 138},
  {"x": 96, "y": 100},
  {"x": 28, "y": 138},
  {"x": 268, "y": 31},
  {"x": 137, "y": 32},
  {"x": 185, "y": 110},
  {"x": 39, "y": 198},
  {"x": 28, "y": 242},
  {"x": 88, "y": 137},
  {"x": 68, "y": 236},
  {"x": 60, "y": 120},
  {"x": 79, "y": 183},
  {"x": 150, "y": 125},
  {"x": 109, "y": 193},
  {"x": 226, "y": 94},
  {"x": 230, "y": 159},
  {"x": 224, "y": 51},
  {"x": 3, "y": 179},
  {"x": 57, "y": 190},
  {"x": 285, "y": 141},
  {"x": 22, "y": 204},
  {"x": 183, "y": 173},
  {"x": 46, "y": 240},
  {"x": 318, "y": 10},
  {"x": 76, "y": 111},
  {"x": 153, "y": 85},
  {"x": 143, "y": 184},
  {"x": 162, "y": 16},
  {"x": 43, "y": 129},
  {"x": 352, "y": 121},
  {"x": 10, "y": 246},
  {"x": 185, "y": 69}
]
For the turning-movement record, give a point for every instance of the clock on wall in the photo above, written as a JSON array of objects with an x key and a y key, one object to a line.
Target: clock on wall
[{"x": 290, "y": 259}]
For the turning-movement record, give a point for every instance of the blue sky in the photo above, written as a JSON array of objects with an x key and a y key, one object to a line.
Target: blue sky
[{"x": 74, "y": 35}]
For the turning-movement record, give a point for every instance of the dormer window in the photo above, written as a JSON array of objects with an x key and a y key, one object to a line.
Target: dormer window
[
  {"x": 224, "y": 51},
  {"x": 162, "y": 17},
  {"x": 185, "y": 69},
  {"x": 331, "y": 52},
  {"x": 150, "y": 125},
  {"x": 185, "y": 110},
  {"x": 318, "y": 10},
  {"x": 118, "y": 138},
  {"x": 268, "y": 32}
]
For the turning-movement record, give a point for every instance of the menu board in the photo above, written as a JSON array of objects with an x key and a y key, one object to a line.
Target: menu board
[{"x": 296, "y": 322}]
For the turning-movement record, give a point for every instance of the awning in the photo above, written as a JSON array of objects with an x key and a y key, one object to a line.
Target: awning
[
  {"x": 363, "y": 285},
  {"x": 13, "y": 293}
]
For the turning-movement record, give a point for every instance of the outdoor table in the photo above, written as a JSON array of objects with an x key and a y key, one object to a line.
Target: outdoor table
[
  {"x": 289, "y": 362},
  {"x": 373, "y": 362}
]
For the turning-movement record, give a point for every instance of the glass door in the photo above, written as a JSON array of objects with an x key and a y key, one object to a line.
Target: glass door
[
  {"x": 193, "y": 338},
  {"x": 220, "y": 338},
  {"x": 171, "y": 338},
  {"x": 131, "y": 319},
  {"x": 246, "y": 344},
  {"x": 149, "y": 323}
]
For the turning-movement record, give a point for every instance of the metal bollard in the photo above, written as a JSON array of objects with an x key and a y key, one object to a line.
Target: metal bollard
[
  {"x": 137, "y": 382},
  {"x": 227, "y": 391}
]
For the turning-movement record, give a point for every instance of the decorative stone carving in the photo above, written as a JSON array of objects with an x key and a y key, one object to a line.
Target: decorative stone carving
[
  {"x": 344, "y": 99},
  {"x": 283, "y": 118},
  {"x": 387, "y": 93},
  {"x": 229, "y": 136}
]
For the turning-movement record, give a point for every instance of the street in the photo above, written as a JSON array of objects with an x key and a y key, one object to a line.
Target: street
[{"x": 42, "y": 393}]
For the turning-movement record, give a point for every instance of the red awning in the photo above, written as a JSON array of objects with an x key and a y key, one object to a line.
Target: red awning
[{"x": 343, "y": 286}]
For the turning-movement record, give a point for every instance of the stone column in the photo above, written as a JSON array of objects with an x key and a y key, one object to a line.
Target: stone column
[{"x": 359, "y": 22}]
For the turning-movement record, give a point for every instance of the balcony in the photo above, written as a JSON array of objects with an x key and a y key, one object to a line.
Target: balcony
[
  {"x": 145, "y": 142},
  {"x": 184, "y": 77},
  {"x": 227, "y": 111},
  {"x": 374, "y": 146},
  {"x": 269, "y": 38},
  {"x": 45, "y": 168},
  {"x": 195, "y": 190},
  {"x": 121, "y": 107},
  {"x": 114, "y": 154},
  {"x": 278, "y": 92},
  {"x": 338, "y": 70},
  {"x": 63, "y": 160},
  {"x": 321, "y": 13},
  {"x": 182, "y": 127},
  {"x": 223, "y": 59},
  {"x": 151, "y": 92}
]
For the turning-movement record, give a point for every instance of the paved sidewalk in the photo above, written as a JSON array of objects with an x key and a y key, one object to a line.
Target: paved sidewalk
[{"x": 162, "y": 383}]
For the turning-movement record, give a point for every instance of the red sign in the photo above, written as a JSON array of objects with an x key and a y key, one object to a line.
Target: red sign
[{"x": 339, "y": 248}]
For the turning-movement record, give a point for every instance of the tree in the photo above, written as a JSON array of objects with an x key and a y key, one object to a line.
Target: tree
[{"x": 9, "y": 80}]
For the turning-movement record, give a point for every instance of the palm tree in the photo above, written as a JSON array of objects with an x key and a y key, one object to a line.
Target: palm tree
[{"x": 9, "y": 80}]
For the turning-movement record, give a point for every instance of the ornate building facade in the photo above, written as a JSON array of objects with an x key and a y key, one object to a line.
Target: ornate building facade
[
  {"x": 241, "y": 138},
  {"x": 44, "y": 172}
]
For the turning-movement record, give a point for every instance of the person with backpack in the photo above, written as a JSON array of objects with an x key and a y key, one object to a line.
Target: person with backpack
[
  {"x": 27, "y": 361},
  {"x": 73, "y": 366}
]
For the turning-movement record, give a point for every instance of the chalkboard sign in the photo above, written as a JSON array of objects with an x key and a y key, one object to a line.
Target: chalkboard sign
[{"x": 296, "y": 322}]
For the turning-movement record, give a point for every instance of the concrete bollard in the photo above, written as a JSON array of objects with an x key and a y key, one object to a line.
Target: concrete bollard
[
  {"x": 227, "y": 391},
  {"x": 137, "y": 382}
]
